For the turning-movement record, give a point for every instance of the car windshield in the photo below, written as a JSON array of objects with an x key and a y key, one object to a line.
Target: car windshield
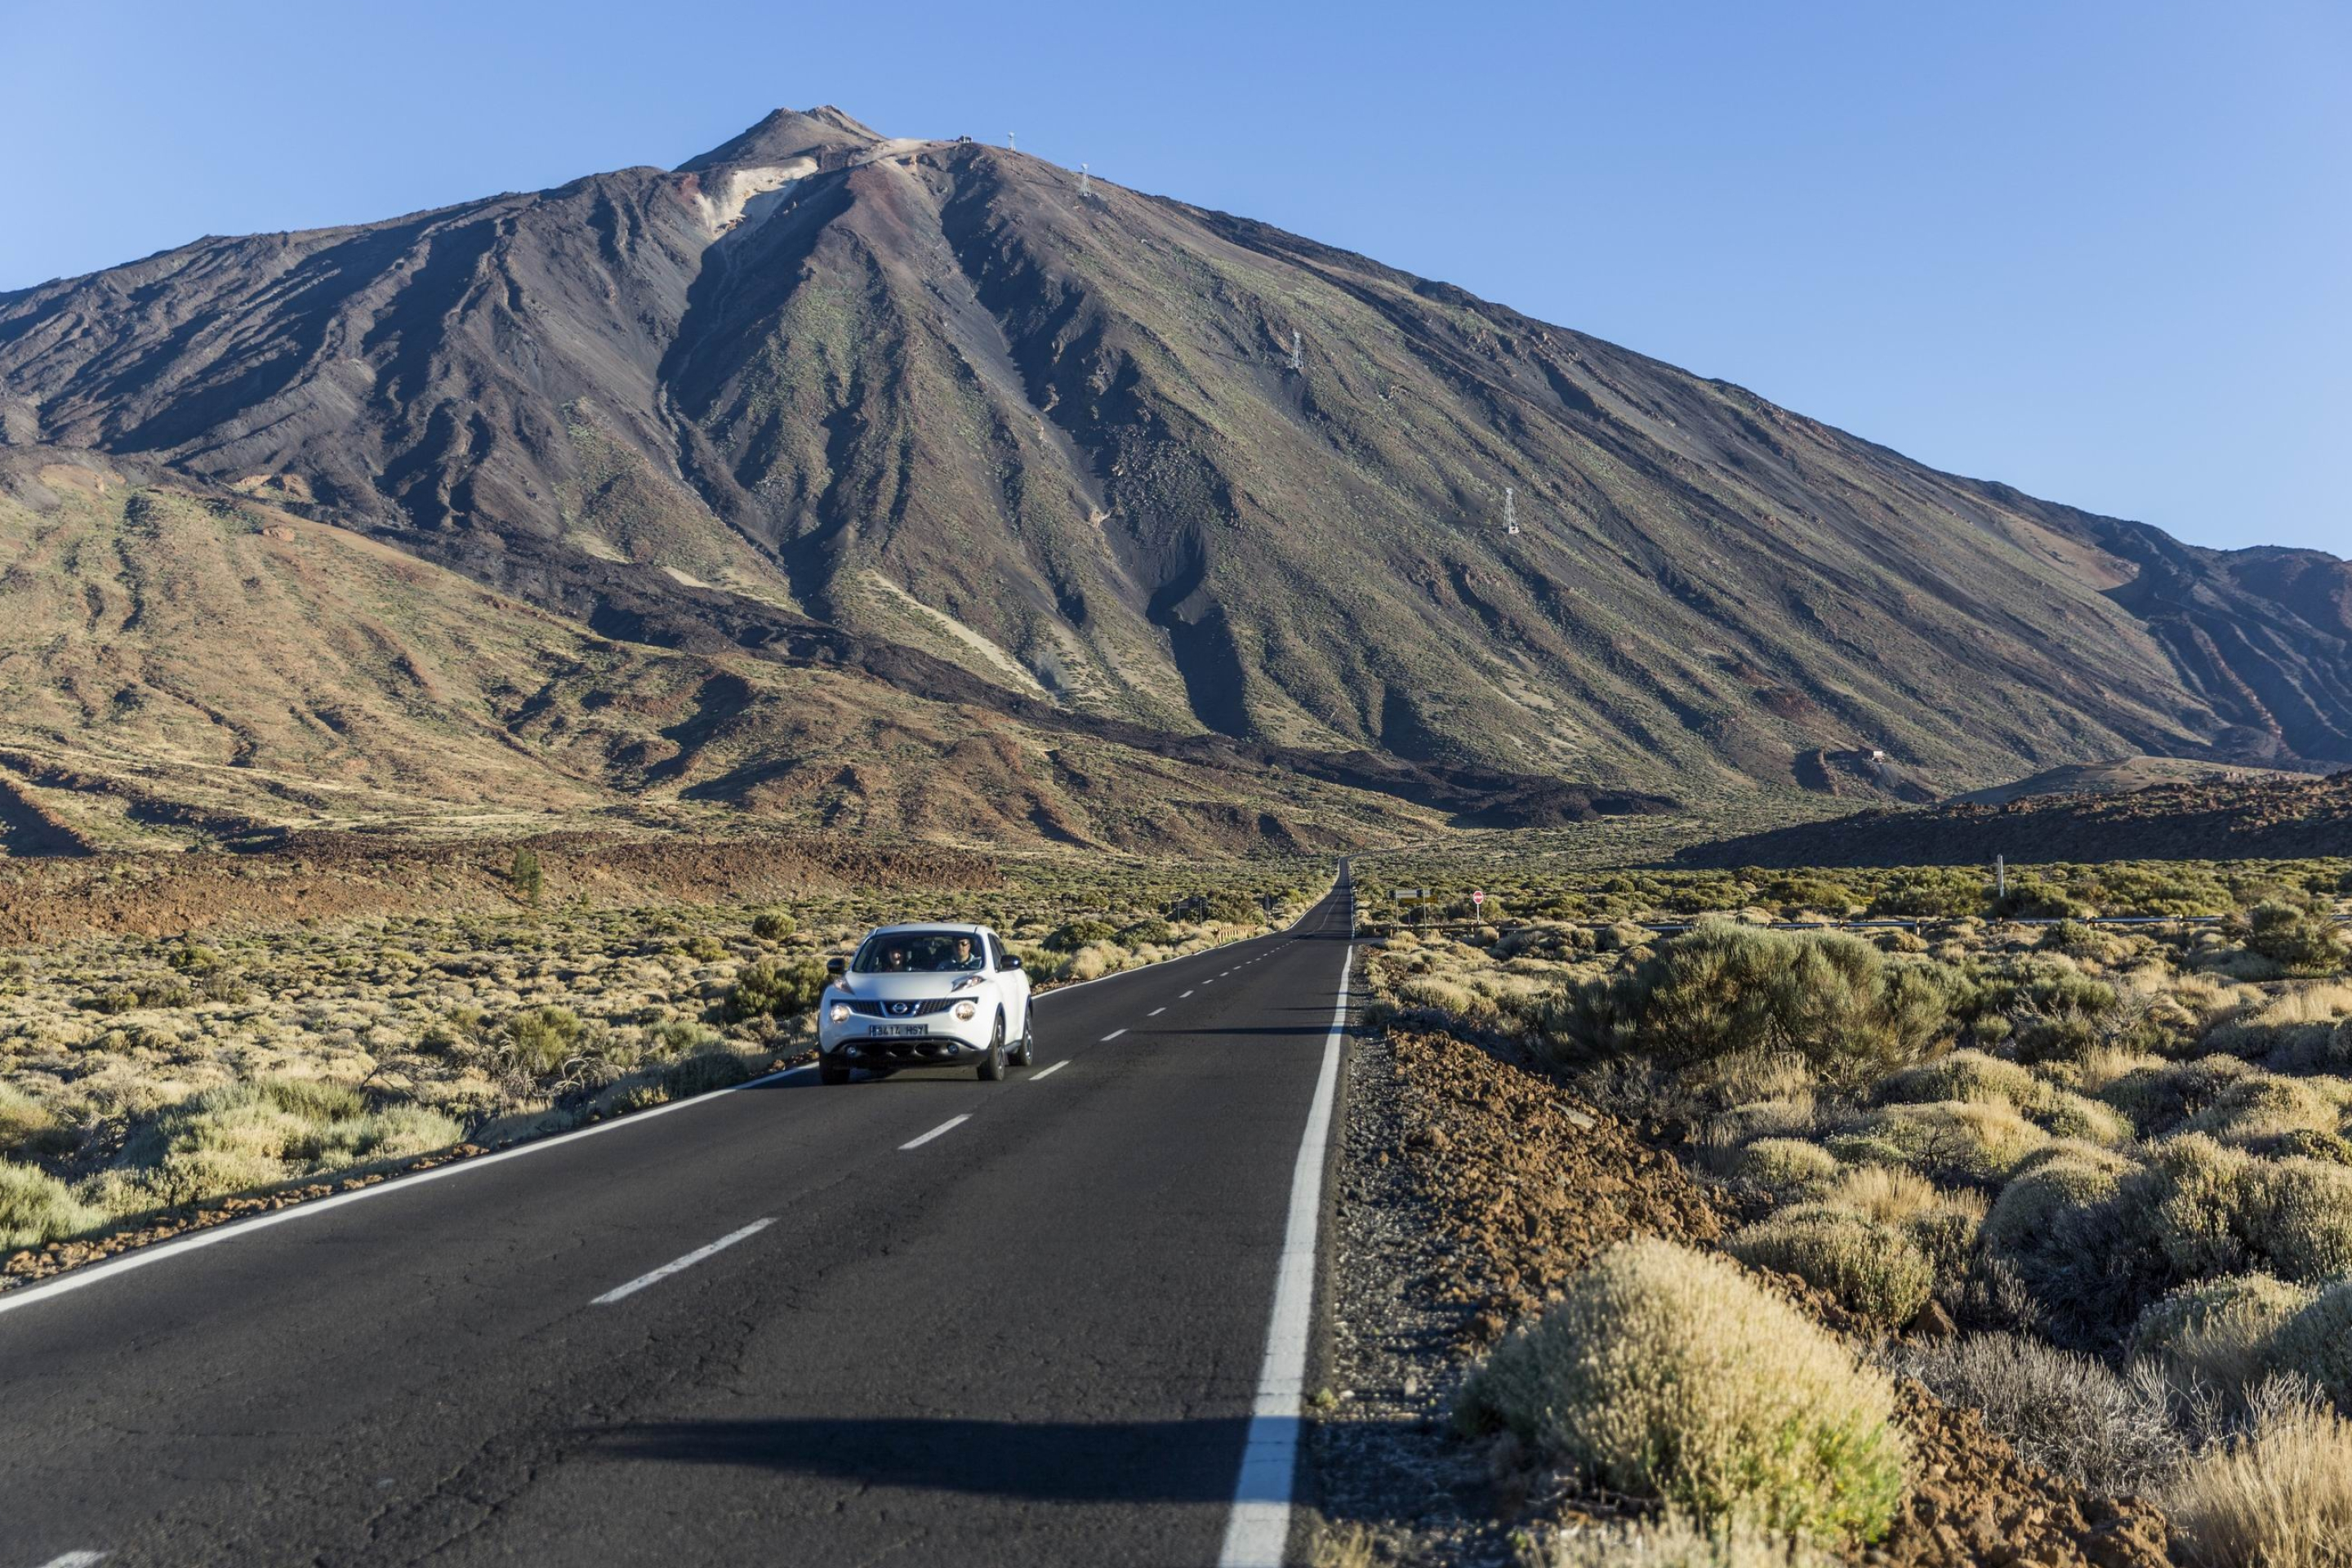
[{"x": 919, "y": 953}]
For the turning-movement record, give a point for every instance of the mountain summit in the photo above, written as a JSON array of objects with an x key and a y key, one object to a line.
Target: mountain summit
[{"x": 1117, "y": 463}]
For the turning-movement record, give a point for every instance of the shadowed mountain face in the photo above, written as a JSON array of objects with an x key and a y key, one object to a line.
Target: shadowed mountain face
[{"x": 940, "y": 410}]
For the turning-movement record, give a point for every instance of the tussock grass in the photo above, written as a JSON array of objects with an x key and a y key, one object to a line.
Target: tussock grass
[
  {"x": 2278, "y": 1496},
  {"x": 1666, "y": 1373}
]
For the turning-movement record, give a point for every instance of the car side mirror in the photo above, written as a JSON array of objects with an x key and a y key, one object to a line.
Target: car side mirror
[
  {"x": 1012, "y": 963},
  {"x": 834, "y": 965}
]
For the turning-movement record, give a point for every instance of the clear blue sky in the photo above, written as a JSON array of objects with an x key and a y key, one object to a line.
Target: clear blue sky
[{"x": 2102, "y": 251}]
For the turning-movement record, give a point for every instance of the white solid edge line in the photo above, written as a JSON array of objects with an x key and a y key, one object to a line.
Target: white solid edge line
[
  {"x": 1112, "y": 1035},
  {"x": 1259, "y": 1528},
  {"x": 141, "y": 1257},
  {"x": 949, "y": 1125},
  {"x": 689, "y": 1261},
  {"x": 1049, "y": 1072}
]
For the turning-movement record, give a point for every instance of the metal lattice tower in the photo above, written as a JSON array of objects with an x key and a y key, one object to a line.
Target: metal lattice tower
[
  {"x": 1086, "y": 187},
  {"x": 1012, "y": 142}
]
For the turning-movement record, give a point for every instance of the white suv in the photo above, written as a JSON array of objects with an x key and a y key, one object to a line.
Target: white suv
[{"x": 925, "y": 995}]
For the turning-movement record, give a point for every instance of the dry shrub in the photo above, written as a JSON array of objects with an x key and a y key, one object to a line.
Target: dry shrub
[
  {"x": 1675, "y": 1541},
  {"x": 36, "y": 1207},
  {"x": 2222, "y": 1211},
  {"x": 2218, "y": 1331},
  {"x": 1721, "y": 989},
  {"x": 2317, "y": 1343},
  {"x": 1958, "y": 1139},
  {"x": 1943, "y": 1224},
  {"x": 1788, "y": 1118},
  {"x": 2278, "y": 1496},
  {"x": 2264, "y": 1107},
  {"x": 2066, "y": 1413},
  {"x": 1873, "y": 1270},
  {"x": 2160, "y": 1098},
  {"x": 1786, "y": 1167},
  {"x": 1666, "y": 1372},
  {"x": 243, "y": 1135}
]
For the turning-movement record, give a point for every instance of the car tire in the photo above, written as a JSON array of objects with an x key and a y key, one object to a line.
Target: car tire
[
  {"x": 1026, "y": 1055},
  {"x": 991, "y": 1066},
  {"x": 831, "y": 1073}
]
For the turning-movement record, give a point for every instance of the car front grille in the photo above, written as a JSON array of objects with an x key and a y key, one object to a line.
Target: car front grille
[{"x": 921, "y": 1008}]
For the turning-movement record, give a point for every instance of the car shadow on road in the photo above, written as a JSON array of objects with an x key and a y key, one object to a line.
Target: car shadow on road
[{"x": 1049, "y": 1461}]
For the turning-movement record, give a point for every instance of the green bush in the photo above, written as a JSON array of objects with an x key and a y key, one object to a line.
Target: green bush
[
  {"x": 773, "y": 925},
  {"x": 1873, "y": 1270},
  {"x": 1081, "y": 932},
  {"x": 540, "y": 1040},
  {"x": 2218, "y": 1330},
  {"x": 36, "y": 1207},
  {"x": 1786, "y": 1167},
  {"x": 1957, "y": 1140},
  {"x": 774, "y": 989},
  {"x": 1149, "y": 934},
  {"x": 1667, "y": 1374},
  {"x": 2298, "y": 939},
  {"x": 1848, "y": 1009}
]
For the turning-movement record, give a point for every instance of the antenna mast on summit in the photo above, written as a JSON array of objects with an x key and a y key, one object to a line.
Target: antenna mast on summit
[
  {"x": 1510, "y": 512},
  {"x": 1012, "y": 141},
  {"x": 1297, "y": 352},
  {"x": 1085, "y": 188}
]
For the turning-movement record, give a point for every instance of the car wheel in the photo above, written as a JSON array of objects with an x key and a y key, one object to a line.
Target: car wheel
[
  {"x": 1026, "y": 1055},
  {"x": 991, "y": 1066},
  {"x": 832, "y": 1072}
]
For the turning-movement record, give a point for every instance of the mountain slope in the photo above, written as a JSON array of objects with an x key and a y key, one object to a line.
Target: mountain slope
[
  {"x": 820, "y": 384},
  {"x": 190, "y": 667}
]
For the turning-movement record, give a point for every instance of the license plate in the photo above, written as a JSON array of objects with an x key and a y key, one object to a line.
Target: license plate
[{"x": 874, "y": 1030}]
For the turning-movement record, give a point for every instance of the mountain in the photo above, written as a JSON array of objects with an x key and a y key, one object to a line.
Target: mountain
[
  {"x": 1123, "y": 467},
  {"x": 2248, "y": 816}
]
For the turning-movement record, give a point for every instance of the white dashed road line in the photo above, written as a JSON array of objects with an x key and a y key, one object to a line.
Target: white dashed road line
[
  {"x": 1049, "y": 1072},
  {"x": 1186, "y": 994},
  {"x": 689, "y": 1261},
  {"x": 949, "y": 1125},
  {"x": 1155, "y": 1012},
  {"x": 1112, "y": 1035},
  {"x": 76, "y": 1560}
]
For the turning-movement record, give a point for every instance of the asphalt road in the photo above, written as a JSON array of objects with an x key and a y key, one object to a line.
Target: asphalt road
[{"x": 1036, "y": 1337}]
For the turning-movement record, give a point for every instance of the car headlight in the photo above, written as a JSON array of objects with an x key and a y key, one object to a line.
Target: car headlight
[
  {"x": 967, "y": 1009},
  {"x": 838, "y": 1012}
]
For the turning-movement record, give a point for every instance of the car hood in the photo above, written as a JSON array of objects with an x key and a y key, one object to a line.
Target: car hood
[{"x": 904, "y": 987}]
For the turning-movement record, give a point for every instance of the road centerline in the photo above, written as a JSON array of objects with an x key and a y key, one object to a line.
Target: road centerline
[
  {"x": 1049, "y": 1072},
  {"x": 1112, "y": 1035},
  {"x": 678, "y": 1265},
  {"x": 949, "y": 1125}
]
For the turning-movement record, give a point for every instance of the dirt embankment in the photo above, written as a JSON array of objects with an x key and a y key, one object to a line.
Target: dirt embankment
[
  {"x": 350, "y": 875},
  {"x": 1506, "y": 1186}
]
